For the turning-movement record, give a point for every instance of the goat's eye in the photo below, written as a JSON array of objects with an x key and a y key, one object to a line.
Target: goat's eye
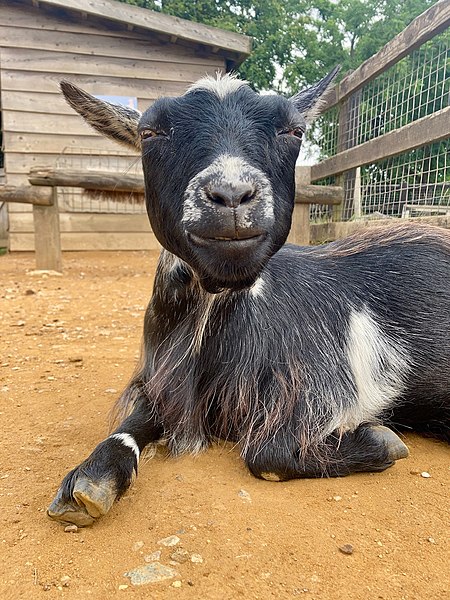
[
  {"x": 151, "y": 133},
  {"x": 295, "y": 131}
]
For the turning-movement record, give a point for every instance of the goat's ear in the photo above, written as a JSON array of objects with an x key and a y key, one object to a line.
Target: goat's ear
[
  {"x": 119, "y": 123},
  {"x": 308, "y": 101}
]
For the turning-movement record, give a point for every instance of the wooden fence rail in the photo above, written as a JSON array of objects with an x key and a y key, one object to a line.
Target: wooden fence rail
[{"x": 428, "y": 129}]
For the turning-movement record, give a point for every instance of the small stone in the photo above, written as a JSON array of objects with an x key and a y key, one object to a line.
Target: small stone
[
  {"x": 172, "y": 540},
  {"x": 431, "y": 540},
  {"x": 244, "y": 495},
  {"x": 29, "y": 292},
  {"x": 346, "y": 549},
  {"x": 45, "y": 272},
  {"x": 65, "y": 580},
  {"x": 75, "y": 359},
  {"x": 176, "y": 584},
  {"x": 337, "y": 498},
  {"x": 111, "y": 391},
  {"x": 196, "y": 558},
  {"x": 123, "y": 586},
  {"x": 425, "y": 474},
  {"x": 180, "y": 555},
  {"x": 154, "y": 556},
  {"x": 137, "y": 546},
  {"x": 150, "y": 574},
  {"x": 71, "y": 529}
]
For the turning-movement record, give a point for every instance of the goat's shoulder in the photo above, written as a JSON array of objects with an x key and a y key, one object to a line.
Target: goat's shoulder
[{"x": 398, "y": 235}]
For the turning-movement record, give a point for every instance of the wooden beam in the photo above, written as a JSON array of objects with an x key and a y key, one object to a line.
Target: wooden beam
[
  {"x": 26, "y": 194},
  {"x": 424, "y": 27},
  {"x": 158, "y": 22},
  {"x": 426, "y": 130},
  {"x": 92, "y": 180},
  {"x": 319, "y": 194},
  {"x": 300, "y": 230},
  {"x": 47, "y": 238}
]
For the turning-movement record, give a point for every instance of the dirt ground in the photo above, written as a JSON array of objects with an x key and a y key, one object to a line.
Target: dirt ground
[{"x": 68, "y": 345}]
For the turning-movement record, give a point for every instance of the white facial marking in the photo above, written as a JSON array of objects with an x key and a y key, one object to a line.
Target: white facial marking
[
  {"x": 227, "y": 170},
  {"x": 379, "y": 365},
  {"x": 221, "y": 85},
  {"x": 127, "y": 440}
]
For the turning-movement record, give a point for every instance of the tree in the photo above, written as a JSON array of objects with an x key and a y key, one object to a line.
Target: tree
[{"x": 295, "y": 42}]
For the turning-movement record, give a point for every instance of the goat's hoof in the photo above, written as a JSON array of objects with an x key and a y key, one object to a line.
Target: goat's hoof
[
  {"x": 396, "y": 448},
  {"x": 270, "y": 476},
  {"x": 90, "y": 500}
]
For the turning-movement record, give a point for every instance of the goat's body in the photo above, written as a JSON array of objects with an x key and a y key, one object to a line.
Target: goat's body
[
  {"x": 327, "y": 339},
  {"x": 298, "y": 355}
]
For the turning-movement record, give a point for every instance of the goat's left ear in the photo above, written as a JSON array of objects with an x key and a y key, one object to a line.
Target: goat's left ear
[
  {"x": 308, "y": 101},
  {"x": 117, "y": 122}
]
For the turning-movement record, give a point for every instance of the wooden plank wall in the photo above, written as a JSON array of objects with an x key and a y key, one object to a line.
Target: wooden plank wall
[{"x": 41, "y": 46}]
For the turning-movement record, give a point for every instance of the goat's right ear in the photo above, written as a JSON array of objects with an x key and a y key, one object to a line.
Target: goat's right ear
[
  {"x": 119, "y": 123},
  {"x": 308, "y": 101}
]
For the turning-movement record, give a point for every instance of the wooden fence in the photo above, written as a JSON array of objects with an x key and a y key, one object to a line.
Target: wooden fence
[
  {"x": 42, "y": 193},
  {"x": 350, "y": 155}
]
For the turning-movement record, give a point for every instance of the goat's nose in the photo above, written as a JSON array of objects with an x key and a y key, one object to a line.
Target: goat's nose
[{"x": 230, "y": 195}]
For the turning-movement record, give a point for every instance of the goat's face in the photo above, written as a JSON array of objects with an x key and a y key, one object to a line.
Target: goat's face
[{"x": 219, "y": 167}]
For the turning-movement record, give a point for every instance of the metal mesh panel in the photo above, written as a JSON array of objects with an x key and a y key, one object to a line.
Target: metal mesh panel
[
  {"x": 97, "y": 201},
  {"x": 416, "y": 183}
]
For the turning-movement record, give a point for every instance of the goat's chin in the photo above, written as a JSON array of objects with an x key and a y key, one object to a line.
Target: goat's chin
[
  {"x": 229, "y": 277},
  {"x": 215, "y": 286},
  {"x": 222, "y": 264}
]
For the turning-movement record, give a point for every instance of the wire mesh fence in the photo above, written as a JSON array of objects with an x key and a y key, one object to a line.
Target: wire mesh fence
[
  {"x": 413, "y": 184},
  {"x": 99, "y": 201}
]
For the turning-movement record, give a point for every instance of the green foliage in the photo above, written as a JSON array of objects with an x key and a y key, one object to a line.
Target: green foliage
[{"x": 295, "y": 42}]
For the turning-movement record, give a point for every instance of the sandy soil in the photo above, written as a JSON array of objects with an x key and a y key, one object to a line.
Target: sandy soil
[{"x": 67, "y": 346}]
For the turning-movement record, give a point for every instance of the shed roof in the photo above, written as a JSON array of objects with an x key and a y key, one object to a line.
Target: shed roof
[{"x": 132, "y": 17}]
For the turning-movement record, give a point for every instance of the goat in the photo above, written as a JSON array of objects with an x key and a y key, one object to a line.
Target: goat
[{"x": 298, "y": 355}]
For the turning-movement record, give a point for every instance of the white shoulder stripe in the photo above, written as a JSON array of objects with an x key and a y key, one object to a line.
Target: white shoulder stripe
[{"x": 127, "y": 440}]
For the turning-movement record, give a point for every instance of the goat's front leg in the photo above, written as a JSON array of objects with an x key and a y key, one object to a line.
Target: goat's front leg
[
  {"x": 88, "y": 491},
  {"x": 368, "y": 448}
]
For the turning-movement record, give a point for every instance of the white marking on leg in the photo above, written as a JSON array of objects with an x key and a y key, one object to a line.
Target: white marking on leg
[{"x": 127, "y": 440}]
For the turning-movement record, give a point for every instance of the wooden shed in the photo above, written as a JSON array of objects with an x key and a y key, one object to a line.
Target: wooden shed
[{"x": 111, "y": 49}]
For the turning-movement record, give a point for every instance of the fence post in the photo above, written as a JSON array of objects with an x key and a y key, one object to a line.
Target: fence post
[
  {"x": 300, "y": 228},
  {"x": 47, "y": 237}
]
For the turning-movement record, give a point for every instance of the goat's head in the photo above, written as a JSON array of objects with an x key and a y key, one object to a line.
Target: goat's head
[{"x": 219, "y": 167}]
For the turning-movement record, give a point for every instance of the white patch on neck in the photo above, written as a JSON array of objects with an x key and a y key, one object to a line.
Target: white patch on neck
[
  {"x": 379, "y": 366},
  {"x": 221, "y": 86},
  {"x": 127, "y": 440},
  {"x": 257, "y": 288}
]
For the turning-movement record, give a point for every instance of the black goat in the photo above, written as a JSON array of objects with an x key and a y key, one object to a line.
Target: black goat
[{"x": 297, "y": 354}]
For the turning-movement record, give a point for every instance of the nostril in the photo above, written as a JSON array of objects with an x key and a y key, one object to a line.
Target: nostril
[
  {"x": 230, "y": 195},
  {"x": 216, "y": 197},
  {"x": 248, "y": 196}
]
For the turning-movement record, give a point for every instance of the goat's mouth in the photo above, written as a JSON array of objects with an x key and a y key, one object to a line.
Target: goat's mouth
[{"x": 242, "y": 242}]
